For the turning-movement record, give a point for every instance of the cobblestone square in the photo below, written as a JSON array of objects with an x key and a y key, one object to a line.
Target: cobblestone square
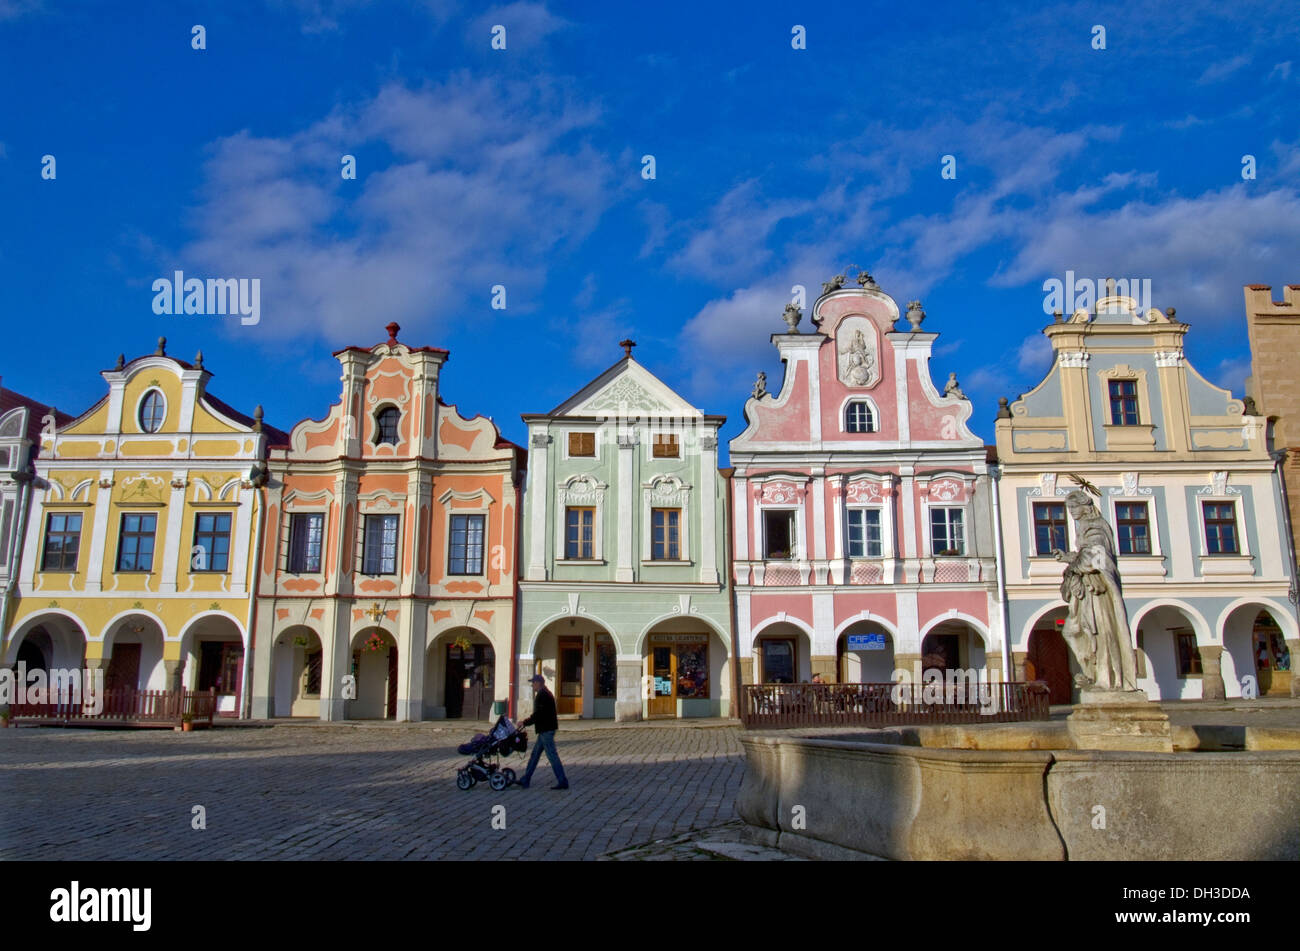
[{"x": 351, "y": 792}]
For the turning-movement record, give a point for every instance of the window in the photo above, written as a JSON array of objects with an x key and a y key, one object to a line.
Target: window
[
  {"x": 1123, "y": 402},
  {"x": 579, "y": 539},
  {"x": 1220, "y": 528},
  {"x": 1049, "y": 527},
  {"x": 211, "y": 550},
  {"x": 1134, "y": 528},
  {"x": 778, "y": 535},
  {"x": 152, "y": 411},
  {"x": 466, "y": 554},
  {"x": 778, "y": 661},
  {"x": 864, "y": 533},
  {"x": 379, "y": 553},
  {"x": 582, "y": 444},
  {"x": 1189, "y": 655},
  {"x": 386, "y": 426},
  {"x": 858, "y": 418},
  {"x": 62, "y": 539},
  {"x": 135, "y": 545},
  {"x": 606, "y": 668},
  {"x": 666, "y": 446},
  {"x": 6, "y": 523},
  {"x": 305, "y": 532},
  {"x": 665, "y": 534},
  {"x": 946, "y": 534},
  {"x": 693, "y": 671},
  {"x": 311, "y": 673}
]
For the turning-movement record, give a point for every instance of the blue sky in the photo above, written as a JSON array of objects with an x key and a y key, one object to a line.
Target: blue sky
[{"x": 522, "y": 167}]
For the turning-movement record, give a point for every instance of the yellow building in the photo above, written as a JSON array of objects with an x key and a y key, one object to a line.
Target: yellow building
[{"x": 140, "y": 550}]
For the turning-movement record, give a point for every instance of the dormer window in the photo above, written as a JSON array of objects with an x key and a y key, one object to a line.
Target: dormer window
[
  {"x": 386, "y": 426},
  {"x": 859, "y": 417},
  {"x": 153, "y": 410}
]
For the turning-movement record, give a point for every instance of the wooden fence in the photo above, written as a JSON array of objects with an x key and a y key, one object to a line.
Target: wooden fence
[
  {"x": 125, "y": 706},
  {"x": 768, "y": 706}
]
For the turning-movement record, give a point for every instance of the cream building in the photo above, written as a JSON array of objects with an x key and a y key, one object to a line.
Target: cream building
[
  {"x": 139, "y": 553},
  {"x": 1186, "y": 482}
]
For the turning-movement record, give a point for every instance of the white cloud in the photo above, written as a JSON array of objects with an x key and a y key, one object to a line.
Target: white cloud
[
  {"x": 733, "y": 244},
  {"x": 1223, "y": 68},
  {"x": 451, "y": 197}
]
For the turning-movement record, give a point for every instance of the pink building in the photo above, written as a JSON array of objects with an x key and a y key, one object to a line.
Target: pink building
[{"x": 862, "y": 520}]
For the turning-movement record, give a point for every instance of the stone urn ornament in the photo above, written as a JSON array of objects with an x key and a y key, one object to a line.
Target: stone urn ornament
[
  {"x": 915, "y": 315},
  {"x": 792, "y": 315}
]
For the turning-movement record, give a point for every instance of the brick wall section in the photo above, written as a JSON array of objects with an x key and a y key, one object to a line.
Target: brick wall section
[{"x": 1274, "y": 384}]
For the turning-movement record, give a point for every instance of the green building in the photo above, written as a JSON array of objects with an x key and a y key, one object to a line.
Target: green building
[{"x": 624, "y": 605}]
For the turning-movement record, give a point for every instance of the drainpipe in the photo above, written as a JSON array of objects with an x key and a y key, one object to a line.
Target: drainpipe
[
  {"x": 1293, "y": 590},
  {"x": 995, "y": 473},
  {"x": 729, "y": 581},
  {"x": 18, "y": 529},
  {"x": 259, "y": 482},
  {"x": 513, "y": 669}
]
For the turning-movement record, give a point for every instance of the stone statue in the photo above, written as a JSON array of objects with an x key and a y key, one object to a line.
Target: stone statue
[
  {"x": 915, "y": 315},
  {"x": 867, "y": 281},
  {"x": 859, "y": 363},
  {"x": 952, "y": 389},
  {"x": 834, "y": 284},
  {"x": 760, "y": 385},
  {"x": 1096, "y": 623},
  {"x": 792, "y": 317}
]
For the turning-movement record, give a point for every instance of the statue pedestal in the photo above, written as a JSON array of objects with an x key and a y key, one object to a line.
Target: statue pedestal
[{"x": 1119, "y": 720}]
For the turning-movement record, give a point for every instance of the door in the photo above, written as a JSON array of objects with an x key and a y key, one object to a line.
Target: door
[
  {"x": 455, "y": 683},
  {"x": 569, "y": 698},
  {"x": 123, "y": 668},
  {"x": 663, "y": 670},
  {"x": 221, "y": 667},
  {"x": 1050, "y": 658}
]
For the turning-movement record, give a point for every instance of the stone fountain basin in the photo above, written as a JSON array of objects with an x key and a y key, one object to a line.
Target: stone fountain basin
[{"x": 1020, "y": 791}]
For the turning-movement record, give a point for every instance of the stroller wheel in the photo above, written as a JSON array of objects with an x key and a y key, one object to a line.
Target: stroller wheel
[
  {"x": 498, "y": 781},
  {"x": 509, "y": 774},
  {"x": 464, "y": 779}
]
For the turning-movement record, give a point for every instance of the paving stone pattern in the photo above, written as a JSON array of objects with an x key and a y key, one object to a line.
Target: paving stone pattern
[{"x": 351, "y": 792}]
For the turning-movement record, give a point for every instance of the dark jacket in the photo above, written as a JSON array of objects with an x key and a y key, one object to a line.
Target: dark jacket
[{"x": 543, "y": 718}]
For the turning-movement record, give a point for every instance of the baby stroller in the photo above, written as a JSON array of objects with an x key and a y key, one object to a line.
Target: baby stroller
[{"x": 485, "y": 749}]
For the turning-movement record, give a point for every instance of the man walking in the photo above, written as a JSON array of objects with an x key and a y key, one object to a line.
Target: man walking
[{"x": 546, "y": 721}]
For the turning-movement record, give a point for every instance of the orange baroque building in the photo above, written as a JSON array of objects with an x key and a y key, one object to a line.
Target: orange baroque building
[{"x": 387, "y": 578}]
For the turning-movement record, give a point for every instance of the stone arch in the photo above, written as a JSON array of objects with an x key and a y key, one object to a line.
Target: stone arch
[
  {"x": 447, "y": 667},
  {"x": 865, "y": 666},
  {"x": 954, "y": 640},
  {"x": 774, "y": 663},
  {"x": 214, "y": 656},
  {"x": 683, "y": 674},
  {"x": 542, "y": 626},
  {"x": 134, "y": 651},
  {"x": 1157, "y": 628},
  {"x": 1254, "y": 632},
  {"x": 63, "y": 636},
  {"x": 375, "y": 670},
  {"x": 297, "y": 663}
]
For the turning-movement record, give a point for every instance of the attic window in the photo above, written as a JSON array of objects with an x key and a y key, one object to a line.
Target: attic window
[
  {"x": 386, "y": 426},
  {"x": 582, "y": 444},
  {"x": 153, "y": 410}
]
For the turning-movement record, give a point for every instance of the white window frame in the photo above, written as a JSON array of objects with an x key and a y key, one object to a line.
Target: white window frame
[
  {"x": 679, "y": 499},
  {"x": 594, "y": 429},
  {"x": 139, "y": 411},
  {"x": 1153, "y": 524},
  {"x": 964, "y": 508},
  {"x": 798, "y": 546},
  {"x": 596, "y": 500},
  {"x": 1238, "y": 514},
  {"x": 848, "y": 541},
  {"x": 289, "y": 513},
  {"x": 844, "y": 414}
]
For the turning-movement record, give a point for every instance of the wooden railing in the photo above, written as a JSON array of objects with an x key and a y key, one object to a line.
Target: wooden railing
[
  {"x": 128, "y": 707},
  {"x": 767, "y": 706}
]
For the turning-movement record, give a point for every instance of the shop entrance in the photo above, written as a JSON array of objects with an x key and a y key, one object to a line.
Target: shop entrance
[
  {"x": 677, "y": 668},
  {"x": 568, "y": 698}
]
